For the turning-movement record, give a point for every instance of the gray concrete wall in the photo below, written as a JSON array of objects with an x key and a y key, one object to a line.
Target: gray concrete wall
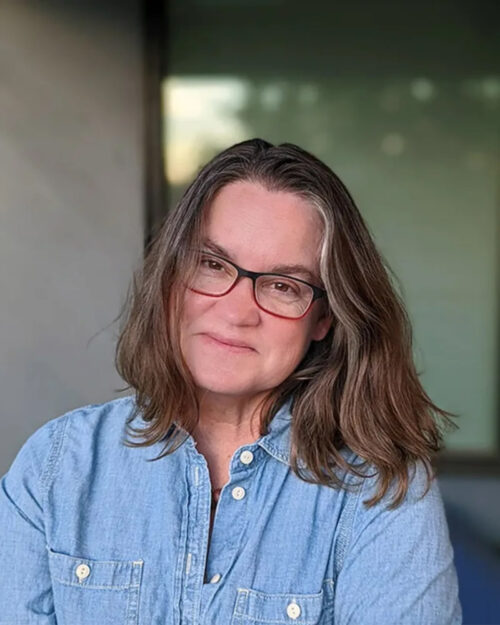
[{"x": 70, "y": 203}]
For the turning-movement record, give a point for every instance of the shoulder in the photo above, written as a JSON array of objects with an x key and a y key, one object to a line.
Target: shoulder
[
  {"x": 96, "y": 420},
  {"x": 93, "y": 422},
  {"x": 65, "y": 446},
  {"x": 421, "y": 509},
  {"x": 77, "y": 432},
  {"x": 408, "y": 547}
]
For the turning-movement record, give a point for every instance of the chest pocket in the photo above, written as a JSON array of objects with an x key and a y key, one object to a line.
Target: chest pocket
[
  {"x": 88, "y": 591},
  {"x": 254, "y": 607}
]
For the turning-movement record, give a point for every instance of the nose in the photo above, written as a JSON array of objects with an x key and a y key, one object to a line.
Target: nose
[{"x": 239, "y": 305}]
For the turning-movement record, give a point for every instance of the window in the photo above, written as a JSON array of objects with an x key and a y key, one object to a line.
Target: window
[{"x": 402, "y": 101}]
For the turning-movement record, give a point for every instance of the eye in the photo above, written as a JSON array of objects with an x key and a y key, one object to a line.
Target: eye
[
  {"x": 282, "y": 286},
  {"x": 209, "y": 263},
  {"x": 210, "y": 266}
]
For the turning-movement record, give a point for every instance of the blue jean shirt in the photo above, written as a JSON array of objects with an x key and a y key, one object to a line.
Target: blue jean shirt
[{"x": 92, "y": 533}]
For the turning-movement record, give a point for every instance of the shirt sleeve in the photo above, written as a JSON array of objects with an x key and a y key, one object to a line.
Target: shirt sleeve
[
  {"x": 25, "y": 584},
  {"x": 398, "y": 568}
]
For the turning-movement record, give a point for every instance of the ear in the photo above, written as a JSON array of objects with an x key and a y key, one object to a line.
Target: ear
[{"x": 321, "y": 326}]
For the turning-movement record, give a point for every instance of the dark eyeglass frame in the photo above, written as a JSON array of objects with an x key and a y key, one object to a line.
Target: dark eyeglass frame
[{"x": 318, "y": 292}]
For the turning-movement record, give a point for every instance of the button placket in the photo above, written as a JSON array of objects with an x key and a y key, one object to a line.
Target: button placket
[{"x": 239, "y": 465}]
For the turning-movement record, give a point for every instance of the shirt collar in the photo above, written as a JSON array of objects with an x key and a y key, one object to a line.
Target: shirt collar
[{"x": 277, "y": 440}]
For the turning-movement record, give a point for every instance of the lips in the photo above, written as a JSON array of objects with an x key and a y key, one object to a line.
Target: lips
[{"x": 228, "y": 341}]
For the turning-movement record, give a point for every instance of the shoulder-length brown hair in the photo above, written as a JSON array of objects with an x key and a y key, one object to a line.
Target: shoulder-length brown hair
[{"x": 358, "y": 387}]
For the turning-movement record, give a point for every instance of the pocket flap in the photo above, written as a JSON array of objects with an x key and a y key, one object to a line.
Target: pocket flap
[
  {"x": 97, "y": 574},
  {"x": 301, "y": 609}
]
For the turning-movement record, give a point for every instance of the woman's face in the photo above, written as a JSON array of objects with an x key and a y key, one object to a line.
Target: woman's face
[{"x": 258, "y": 229}]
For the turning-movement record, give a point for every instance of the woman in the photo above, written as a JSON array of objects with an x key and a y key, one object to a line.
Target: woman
[{"x": 276, "y": 464}]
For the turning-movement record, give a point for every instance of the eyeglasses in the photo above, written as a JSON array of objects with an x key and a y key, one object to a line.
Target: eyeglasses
[{"x": 277, "y": 294}]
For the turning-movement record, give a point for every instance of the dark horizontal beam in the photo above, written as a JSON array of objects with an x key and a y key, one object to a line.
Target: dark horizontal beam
[
  {"x": 468, "y": 464},
  {"x": 334, "y": 40}
]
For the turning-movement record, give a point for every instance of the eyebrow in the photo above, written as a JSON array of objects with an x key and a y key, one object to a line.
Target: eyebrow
[{"x": 290, "y": 269}]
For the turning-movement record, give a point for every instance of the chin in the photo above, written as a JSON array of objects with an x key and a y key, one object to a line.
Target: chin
[
  {"x": 220, "y": 386},
  {"x": 233, "y": 395}
]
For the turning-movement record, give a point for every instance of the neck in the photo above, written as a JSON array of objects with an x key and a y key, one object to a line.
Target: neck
[
  {"x": 226, "y": 418},
  {"x": 224, "y": 426}
]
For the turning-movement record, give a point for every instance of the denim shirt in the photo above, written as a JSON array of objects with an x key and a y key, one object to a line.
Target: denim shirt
[{"x": 92, "y": 533}]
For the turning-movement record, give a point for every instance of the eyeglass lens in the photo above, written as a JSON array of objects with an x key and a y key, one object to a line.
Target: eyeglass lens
[{"x": 276, "y": 294}]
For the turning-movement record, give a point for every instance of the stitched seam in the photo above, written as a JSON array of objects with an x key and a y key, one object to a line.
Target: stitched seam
[
  {"x": 347, "y": 524},
  {"x": 75, "y": 559},
  {"x": 59, "y": 430},
  {"x": 95, "y": 586},
  {"x": 289, "y": 595},
  {"x": 274, "y": 452},
  {"x": 134, "y": 597},
  {"x": 255, "y": 619}
]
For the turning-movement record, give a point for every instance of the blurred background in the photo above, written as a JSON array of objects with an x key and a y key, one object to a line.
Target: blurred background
[{"x": 108, "y": 109}]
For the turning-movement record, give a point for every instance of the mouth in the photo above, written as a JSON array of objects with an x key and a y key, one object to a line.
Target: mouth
[{"x": 230, "y": 344}]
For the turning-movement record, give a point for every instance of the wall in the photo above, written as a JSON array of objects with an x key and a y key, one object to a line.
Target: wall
[{"x": 71, "y": 203}]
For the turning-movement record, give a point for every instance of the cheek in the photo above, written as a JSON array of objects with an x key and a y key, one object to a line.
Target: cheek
[
  {"x": 189, "y": 314},
  {"x": 193, "y": 307},
  {"x": 285, "y": 352},
  {"x": 290, "y": 340}
]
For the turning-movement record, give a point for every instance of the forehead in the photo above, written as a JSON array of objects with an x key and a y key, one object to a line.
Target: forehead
[{"x": 259, "y": 227}]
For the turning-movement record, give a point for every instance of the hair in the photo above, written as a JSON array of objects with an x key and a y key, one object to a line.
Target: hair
[{"x": 358, "y": 387}]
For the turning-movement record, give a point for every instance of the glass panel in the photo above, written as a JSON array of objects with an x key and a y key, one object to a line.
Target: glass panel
[{"x": 402, "y": 101}]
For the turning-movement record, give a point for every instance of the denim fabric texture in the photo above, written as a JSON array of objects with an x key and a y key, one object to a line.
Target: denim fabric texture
[{"x": 91, "y": 533}]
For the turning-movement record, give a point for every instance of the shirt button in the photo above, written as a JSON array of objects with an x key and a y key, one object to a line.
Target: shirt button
[
  {"x": 293, "y": 610},
  {"x": 238, "y": 492},
  {"x": 246, "y": 457},
  {"x": 215, "y": 578},
  {"x": 82, "y": 571}
]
